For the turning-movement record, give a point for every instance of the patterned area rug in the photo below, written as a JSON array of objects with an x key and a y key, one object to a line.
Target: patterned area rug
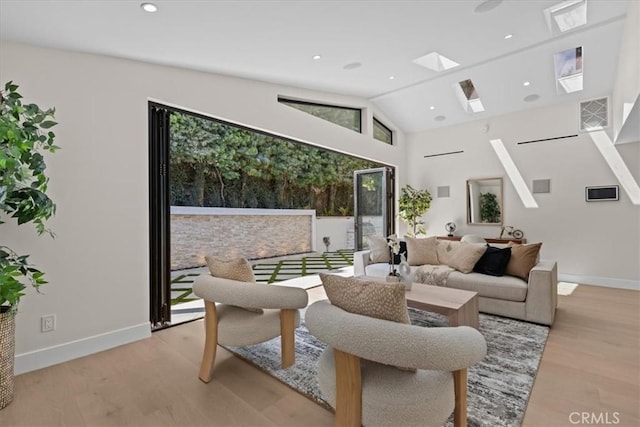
[{"x": 498, "y": 387}]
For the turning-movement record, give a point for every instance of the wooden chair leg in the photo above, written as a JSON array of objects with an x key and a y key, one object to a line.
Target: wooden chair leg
[
  {"x": 460, "y": 388},
  {"x": 210, "y": 341},
  {"x": 348, "y": 390},
  {"x": 287, "y": 337}
]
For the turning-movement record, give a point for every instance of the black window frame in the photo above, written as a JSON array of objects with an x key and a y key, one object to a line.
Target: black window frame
[
  {"x": 284, "y": 100},
  {"x": 385, "y": 128}
]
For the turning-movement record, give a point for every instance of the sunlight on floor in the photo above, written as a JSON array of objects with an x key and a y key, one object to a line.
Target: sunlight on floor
[{"x": 566, "y": 288}]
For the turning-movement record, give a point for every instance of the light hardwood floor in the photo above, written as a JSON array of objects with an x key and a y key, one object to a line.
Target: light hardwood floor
[{"x": 590, "y": 365}]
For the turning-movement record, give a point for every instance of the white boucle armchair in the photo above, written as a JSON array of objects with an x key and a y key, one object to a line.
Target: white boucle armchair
[
  {"x": 376, "y": 394},
  {"x": 227, "y": 323}
]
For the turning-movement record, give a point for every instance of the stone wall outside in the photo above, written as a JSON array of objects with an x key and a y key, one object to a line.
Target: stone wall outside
[{"x": 235, "y": 232}]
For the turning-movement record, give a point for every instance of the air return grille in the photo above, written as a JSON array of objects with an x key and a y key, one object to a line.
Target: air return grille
[{"x": 594, "y": 114}]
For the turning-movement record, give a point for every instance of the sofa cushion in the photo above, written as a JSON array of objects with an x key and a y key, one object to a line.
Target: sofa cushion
[
  {"x": 494, "y": 261},
  {"x": 380, "y": 250},
  {"x": 523, "y": 259},
  {"x": 506, "y": 287},
  {"x": 369, "y": 298},
  {"x": 444, "y": 249},
  {"x": 422, "y": 251},
  {"x": 465, "y": 256}
]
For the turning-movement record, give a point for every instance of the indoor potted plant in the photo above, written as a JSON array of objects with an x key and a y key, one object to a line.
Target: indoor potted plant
[
  {"x": 24, "y": 136},
  {"x": 412, "y": 205}
]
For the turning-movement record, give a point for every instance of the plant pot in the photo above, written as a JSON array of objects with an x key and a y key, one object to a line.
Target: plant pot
[{"x": 7, "y": 352}]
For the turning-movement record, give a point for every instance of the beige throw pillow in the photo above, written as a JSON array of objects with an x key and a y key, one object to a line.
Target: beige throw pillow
[
  {"x": 523, "y": 259},
  {"x": 422, "y": 251},
  {"x": 379, "y": 249},
  {"x": 445, "y": 250},
  {"x": 374, "y": 299},
  {"x": 234, "y": 269},
  {"x": 465, "y": 256}
]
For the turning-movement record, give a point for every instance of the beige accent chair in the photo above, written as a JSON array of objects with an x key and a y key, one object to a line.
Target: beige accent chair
[
  {"x": 227, "y": 323},
  {"x": 377, "y": 394}
]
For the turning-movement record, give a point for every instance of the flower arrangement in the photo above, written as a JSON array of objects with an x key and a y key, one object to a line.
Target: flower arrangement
[{"x": 394, "y": 247}]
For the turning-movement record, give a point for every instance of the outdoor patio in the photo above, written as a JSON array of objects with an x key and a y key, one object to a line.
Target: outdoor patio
[{"x": 293, "y": 270}]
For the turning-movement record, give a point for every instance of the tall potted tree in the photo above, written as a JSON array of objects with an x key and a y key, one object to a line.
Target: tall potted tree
[
  {"x": 412, "y": 205},
  {"x": 24, "y": 136}
]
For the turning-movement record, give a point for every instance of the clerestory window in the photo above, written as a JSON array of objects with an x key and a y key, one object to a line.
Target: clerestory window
[
  {"x": 381, "y": 132},
  {"x": 350, "y": 118}
]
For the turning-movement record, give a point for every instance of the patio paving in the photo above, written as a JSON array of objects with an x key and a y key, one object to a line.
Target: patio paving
[{"x": 272, "y": 270}]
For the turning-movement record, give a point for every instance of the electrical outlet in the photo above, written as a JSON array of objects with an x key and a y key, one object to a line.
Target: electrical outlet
[{"x": 48, "y": 323}]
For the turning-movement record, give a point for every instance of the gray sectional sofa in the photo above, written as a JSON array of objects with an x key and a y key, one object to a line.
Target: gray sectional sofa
[{"x": 534, "y": 300}]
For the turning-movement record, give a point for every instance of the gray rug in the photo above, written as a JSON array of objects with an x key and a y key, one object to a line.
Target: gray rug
[{"x": 498, "y": 387}]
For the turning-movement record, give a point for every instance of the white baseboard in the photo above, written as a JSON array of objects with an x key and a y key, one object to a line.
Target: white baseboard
[
  {"x": 38, "y": 359},
  {"x": 607, "y": 282}
]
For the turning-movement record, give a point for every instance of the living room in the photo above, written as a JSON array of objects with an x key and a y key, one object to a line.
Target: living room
[{"x": 99, "y": 180}]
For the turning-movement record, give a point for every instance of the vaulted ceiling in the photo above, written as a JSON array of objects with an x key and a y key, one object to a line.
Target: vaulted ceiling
[{"x": 361, "y": 44}]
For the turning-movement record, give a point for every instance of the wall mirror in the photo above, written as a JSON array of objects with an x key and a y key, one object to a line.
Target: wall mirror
[{"x": 484, "y": 201}]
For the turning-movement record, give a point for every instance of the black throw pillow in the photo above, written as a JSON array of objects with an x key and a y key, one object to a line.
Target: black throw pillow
[
  {"x": 494, "y": 261},
  {"x": 403, "y": 251}
]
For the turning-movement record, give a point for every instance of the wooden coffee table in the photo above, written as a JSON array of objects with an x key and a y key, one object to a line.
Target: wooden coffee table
[{"x": 461, "y": 307}]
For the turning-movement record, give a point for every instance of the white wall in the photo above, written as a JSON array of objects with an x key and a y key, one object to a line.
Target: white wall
[
  {"x": 98, "y": 265},
  {"x": 599, "y": 242},
  {"x": 627, "y": 87},
  {"x": 337, "y": 229}
]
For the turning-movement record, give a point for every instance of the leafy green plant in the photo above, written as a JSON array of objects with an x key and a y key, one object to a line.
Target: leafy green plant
[
  {"x": 24, "y": 136},
  {"x": 489, "y": 208},
  {"x": 412, "y": 205}
]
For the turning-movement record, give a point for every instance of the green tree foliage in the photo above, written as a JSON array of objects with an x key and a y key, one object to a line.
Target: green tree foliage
[
  {"x": 489, "y": 208},
  {"x": 220, "y": 165}
]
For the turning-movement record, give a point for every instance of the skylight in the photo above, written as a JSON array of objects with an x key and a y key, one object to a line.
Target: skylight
[
  {"x": 436, "y": 62},
  {"x": 568, "y": 66},
  {"x": 566, "y": 15},
  {"x": 468, "y": 96}
]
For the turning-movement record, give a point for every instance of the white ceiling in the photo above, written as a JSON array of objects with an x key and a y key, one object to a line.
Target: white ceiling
[{"x": 274, "y": 41}]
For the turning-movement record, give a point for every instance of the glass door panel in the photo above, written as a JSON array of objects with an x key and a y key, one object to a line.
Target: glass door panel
[{"x": 373, "y": 204}]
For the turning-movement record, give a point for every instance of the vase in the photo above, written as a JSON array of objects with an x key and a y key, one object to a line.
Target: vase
[{"x": 7, "y": 351}]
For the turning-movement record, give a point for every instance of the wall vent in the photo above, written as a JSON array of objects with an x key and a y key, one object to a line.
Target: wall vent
[
  {"x": 541, "y": 186},
  {"x": 594, "y": 114},
  {"x": 443, "y": 191}
]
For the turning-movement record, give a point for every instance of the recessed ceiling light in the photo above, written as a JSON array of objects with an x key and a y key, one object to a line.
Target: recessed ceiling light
[
  {"x": 317, "y": 56},
  {"x": 149, "y": 7},
  {"x": 352, "y": 66},
  {"x": 508, "y": 36},
  {"x": 526, "y": 83},
  {"x": 432, "y": 108},
  {"x": 392, "y": 77},
  {"x": 487, "y": 5}
]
